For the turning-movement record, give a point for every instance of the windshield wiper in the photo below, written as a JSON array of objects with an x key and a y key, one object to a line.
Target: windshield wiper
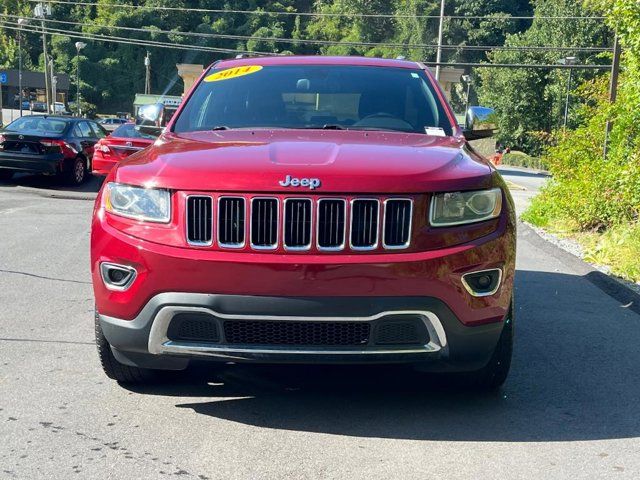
[
  {"x": 220, "y": 127},
  {"x": 331, "y": 126}
]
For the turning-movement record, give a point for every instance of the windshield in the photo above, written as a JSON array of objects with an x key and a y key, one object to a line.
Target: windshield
[
  {"x": 38, "y": 125},
  {"x": 128, "y": 130},
  {"x": 315, "y": 96}
]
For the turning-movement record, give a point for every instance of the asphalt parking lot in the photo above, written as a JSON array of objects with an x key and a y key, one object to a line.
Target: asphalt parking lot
[{"x": 568, "y": 410}]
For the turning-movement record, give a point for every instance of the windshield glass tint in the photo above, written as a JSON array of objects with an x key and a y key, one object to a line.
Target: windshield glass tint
[
  {"x": 38, "y": 124},
  {"x": 316, "y": 96},
  {"x": 128, "y": 130}
]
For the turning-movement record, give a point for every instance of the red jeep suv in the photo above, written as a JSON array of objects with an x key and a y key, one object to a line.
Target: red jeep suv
[{"x": 307, "y": 210}]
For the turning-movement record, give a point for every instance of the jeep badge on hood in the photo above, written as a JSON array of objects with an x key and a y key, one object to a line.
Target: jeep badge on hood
[{"x": 290, "y": 181}]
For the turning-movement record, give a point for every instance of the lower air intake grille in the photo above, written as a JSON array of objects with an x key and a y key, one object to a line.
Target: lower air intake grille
[
  {"x": 296, "y": 333},
  {"x": 199, "y": 220},
  {"x": 397, "y": 223},
  {"x": 400, "y": 333},
  {"x": 195, "y": 327},
  {"x": 231, "y": 214},
  {"x": 364, "y": 224},
  {"x": 297, "y": 223}
]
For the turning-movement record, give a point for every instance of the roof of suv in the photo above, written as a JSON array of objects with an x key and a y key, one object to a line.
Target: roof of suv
[{"x": 317, "y": 60}]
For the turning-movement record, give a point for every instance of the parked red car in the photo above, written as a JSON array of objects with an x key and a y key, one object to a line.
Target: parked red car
[
  {"x": 121, "y": 143},
  {"x": 307, "y": 210}
]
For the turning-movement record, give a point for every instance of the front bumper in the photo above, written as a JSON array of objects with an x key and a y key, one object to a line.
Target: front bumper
[
  {"x": 48, "y": 164},
  {"x": 450, "y": 346}
]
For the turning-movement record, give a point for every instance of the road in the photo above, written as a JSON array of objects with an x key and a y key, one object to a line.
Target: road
[{"x": 568, "y": 410}]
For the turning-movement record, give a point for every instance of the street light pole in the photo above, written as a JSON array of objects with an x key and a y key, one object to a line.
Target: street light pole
[
  {"x": 53, "y": 87},
  {"x": 440, "y": 35},
  {"x": 21, "y": 22},
  {"x": 467, "y": 80},
  {"x": 79, "y": 46},
  {"x": 569, "y": 61},
  {"x": 40, "y": 11}
]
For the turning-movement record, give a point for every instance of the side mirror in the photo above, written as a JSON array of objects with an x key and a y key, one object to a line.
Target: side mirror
[
  {"x": 480, "y": 122},
  {"x": 150, "y": 119}
]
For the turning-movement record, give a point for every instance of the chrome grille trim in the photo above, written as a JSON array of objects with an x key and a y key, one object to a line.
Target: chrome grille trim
[
  {"x": 239, "y": 216},
  {"x": 271, "y": 246},
  {"x": 336, "y": 223},
  {"x": 289, "y": 224},
  {"x": 385, "y": 219},
  {"x": 195, "y": 219},
  {"x": 371, "y": 245}
]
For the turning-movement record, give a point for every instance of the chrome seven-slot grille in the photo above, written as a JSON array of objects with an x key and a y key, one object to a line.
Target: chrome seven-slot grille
[{"x": 297, "y": 223}]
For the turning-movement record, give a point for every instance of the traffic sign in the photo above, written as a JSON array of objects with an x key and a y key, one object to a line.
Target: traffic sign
[{"x": 3, "y": 77}]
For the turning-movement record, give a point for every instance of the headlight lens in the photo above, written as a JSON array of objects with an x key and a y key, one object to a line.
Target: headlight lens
[
  {"x": 458, "y": 208},
  {"x": 148, "y": 204}
]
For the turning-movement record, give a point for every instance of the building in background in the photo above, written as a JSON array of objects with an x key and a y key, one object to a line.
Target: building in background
[{"x": 33, "y": 86}]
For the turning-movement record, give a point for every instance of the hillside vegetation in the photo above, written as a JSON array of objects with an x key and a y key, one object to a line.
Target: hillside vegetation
[{"x": 593, "y": 197}]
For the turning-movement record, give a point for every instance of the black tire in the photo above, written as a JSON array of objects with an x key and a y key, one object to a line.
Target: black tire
[
  {"x": 77, "y": 174},
  {"x": 116, "y": 370},
  {"x": 495, "y": 373},
  {"x": 6, "y": 174}
]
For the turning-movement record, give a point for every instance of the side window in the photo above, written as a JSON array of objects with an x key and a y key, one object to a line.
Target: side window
[
  {"x": 85, "y": 129},
  {"x": 76, "y": 131},
  {"x": 98, "y": 131}
]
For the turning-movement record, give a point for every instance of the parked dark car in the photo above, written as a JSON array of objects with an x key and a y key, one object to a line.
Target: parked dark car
[{"x": 49, "y": 145}]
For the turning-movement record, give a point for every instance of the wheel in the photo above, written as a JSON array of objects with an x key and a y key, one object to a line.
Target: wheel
[
  {"x": 6, "y": 174},
  {"x": 494, "y": 374},
  {"x": 78, "y": 172},
  {"x": 113, "y": 368}
]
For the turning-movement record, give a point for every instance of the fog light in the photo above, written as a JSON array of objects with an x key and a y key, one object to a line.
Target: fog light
[
  {"x": 117, "y": 277},
  {"x": 482, "y": 283}
]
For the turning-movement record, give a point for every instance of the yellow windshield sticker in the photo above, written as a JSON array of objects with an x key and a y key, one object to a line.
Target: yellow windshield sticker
[{"x": 230, "y": 73}]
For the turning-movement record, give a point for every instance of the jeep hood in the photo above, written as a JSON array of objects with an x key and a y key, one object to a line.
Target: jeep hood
[{"x": 342, "y": 161}]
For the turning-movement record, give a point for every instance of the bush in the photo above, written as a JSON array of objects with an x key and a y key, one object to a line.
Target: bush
[{"x": 590, "y": 191}]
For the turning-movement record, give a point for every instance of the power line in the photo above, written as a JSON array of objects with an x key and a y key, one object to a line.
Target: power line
[
  {"x": 330, "y": 42},
  {"x": 319, "y": 14},
  {"x": 147, "y": 43},
  {"x": 125, "y": 40}
]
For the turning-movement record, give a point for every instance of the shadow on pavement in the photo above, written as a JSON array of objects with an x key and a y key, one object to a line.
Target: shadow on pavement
[
  {"x": 44, "y": 183},
  {"x": 574, "y": 377}
]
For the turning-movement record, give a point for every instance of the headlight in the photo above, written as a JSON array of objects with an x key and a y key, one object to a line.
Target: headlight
[
  {"x": 458, "y": 208},
  {"x": 149, "y": 204}
]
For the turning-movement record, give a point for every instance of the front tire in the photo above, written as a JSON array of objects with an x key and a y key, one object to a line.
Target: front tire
[
  {"x": 495, "y": 373},
  {"x": 113, "y": 368}
]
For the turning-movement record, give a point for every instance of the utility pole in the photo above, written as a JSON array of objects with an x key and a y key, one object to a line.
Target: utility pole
[
  {"x": 147, "y": 78},
  {"x": 440, "y": 35},
  {"x": 613, "y": 89},
  {"x": 41, "y": 11}
]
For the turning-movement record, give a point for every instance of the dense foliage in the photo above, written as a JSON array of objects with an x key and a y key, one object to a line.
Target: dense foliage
[
  {"x": 112, "y": 73},
  {"x": 591, "y": 192},
  {"x": 531, "y": 102}
]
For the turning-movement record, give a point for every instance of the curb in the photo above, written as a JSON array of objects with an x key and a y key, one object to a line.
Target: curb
[{"x": 610, "y": 285}]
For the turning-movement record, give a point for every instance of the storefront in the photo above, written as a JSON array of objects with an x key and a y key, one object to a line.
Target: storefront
[{"x": 33, "y": 88}]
